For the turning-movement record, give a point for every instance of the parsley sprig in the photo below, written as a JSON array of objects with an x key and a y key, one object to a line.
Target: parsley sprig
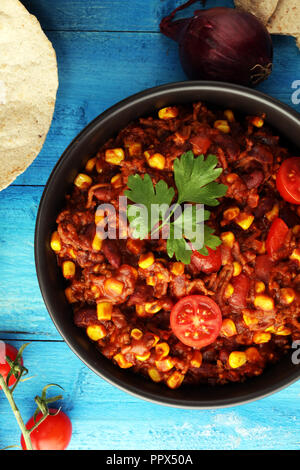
[{"x": 195, "y": 181}]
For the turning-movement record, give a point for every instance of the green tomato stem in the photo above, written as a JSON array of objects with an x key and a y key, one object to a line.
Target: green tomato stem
[{"x": 10, "y": 398}]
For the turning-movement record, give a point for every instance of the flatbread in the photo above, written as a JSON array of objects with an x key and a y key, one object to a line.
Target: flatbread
[
  {"x": 28, "y": 86},
  {"x": 262, "y": 9},
  {"x": 286, "y": 19}
]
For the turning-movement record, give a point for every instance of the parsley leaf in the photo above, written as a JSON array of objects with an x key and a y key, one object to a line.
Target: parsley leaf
[
  {"x": 194, "y": 178},
  {"x": 142, "y": 192},
  {"x": 195, "y": 182}
]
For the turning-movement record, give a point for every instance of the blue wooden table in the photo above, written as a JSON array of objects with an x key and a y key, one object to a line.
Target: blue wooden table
[{"x": 108, "y": 50}]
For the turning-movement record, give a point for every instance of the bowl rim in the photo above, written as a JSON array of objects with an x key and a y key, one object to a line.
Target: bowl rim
[{"x": 158, "y": 92}]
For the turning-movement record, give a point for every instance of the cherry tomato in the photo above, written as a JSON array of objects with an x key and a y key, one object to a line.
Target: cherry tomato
[
  {"x": 241, "y": 286},
  {"x": 263, "y": 265},
  {"x": 288, "y": 180},
  {"x": 276, "y": 236},
  {"x": 207, "y": 264},
  {"x": 11, "y": 352},
  {"x": 196, "y": 320},
  {"x": 52, "y": 434},
  {"x": 200, "y": 144}
]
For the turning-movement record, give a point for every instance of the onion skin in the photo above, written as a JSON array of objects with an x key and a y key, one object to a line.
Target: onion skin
[{"x": 222, "y": 44}]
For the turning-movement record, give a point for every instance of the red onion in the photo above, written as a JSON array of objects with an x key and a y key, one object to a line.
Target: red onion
[{"x": 221, "y": 44}]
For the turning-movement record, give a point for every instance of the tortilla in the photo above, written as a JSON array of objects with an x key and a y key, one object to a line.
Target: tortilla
[
  {"x": 28, "y": 86},
  {"x": 263, "y": 10},
  {"x": 286, "y": 19}
]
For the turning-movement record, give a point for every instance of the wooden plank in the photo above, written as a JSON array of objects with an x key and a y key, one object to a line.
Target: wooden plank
[
  {"x": 104, "y": 417},
  {"x": 95, "y": 73},
  {"x": 107, "y": 15},
  {"x": 21, "y": 308}
]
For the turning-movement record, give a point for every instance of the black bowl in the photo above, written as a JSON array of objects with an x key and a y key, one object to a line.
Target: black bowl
[{"x": 285, "y": 121}]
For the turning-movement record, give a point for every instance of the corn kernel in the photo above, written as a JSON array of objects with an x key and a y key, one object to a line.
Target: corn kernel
[
  {"x": 296, "y": 255},
  {"x": 249, "y": 319},
  {"x": 259, "y": 287},
  {"x": 97, "y": 243},
  {"x": 228, "y": 239},
  {"x": 237, "y": 359},
  {"x": 165, "y": 364},
  {"x": 146, "y": 260},
  {"x": 96, "y": 332},
  {"x": 99, "y": 166},
  {"x": 177, "y": 268},
  {"x": 162, "y": 350},
  {"x": 252, "y": 354},
  {"x": 122, "y": 361},
  {"x": 70, "y": 296},
  {"x": 264, "y": 302},
  {"x": 231, "y": 178},
  {"x": 90, "y": 165},
  {"x": 273, "y": 213},
  {"x": 147, "y": 154},
  {"x": 143, "y": 357},
  {"x": 287, "y": 295},
  {"x": 222, "y": 125},
  {"x": 229, "y": 115},
  {"x": 175, "y": 380},
  {"x": 196, "y": 360},
  {"x": 104, "y": 310},
  {"x": 228, "y": 291},
  {"x": 116, "y": 181},
  {"x": 113, "y": 286},
  {"x": 152, "y": 307},
  {"x": 283, "y": 331},
  {"x": 154, "y": 374},
  {"x": 260, "y": 338},
  {"x": 150, "y": 281},
  {"x": 114, "y": 156},
  {"x": 257, "y": 121},
  {"x": 228, "y": 328},
  {"x": 157, "y": 161},
  {"x": 99, "y": 217},
  {"x": 168, "y": 113},
  {"x": 155, "y": 340},
  {"x": 237, "y": 268},
  {"x": 68, "y": 269},
  {"x": 134, "y": 148},
  {"x": 140, "y": 310},
  {"x": 72, "y": 253},
  {"x": 244, "y": 220},
  {"x": 231, "y": 213},
  {"x": 55, "y": 242},
  {"x": 83, "y": 181},
  {"x": 136, "y": 333},
  {"x": 96, "y": 292}
]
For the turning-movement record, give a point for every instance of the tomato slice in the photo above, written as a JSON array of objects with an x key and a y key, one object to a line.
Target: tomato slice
[
  {"x": 11, "y": 352},
  {"x": 196, "y": 320},
  {"x": 208, "y": 264},
  {"x": 241, "y": 286},
  {"x": 288, "y": 180},
  {"x": 276, "y": 236}
]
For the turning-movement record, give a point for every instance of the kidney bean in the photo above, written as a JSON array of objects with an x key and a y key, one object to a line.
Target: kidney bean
[
  {"x": 254, "y": 179},
  {"x": 112, "y": 252},
  {"x": 104, "y": 194},
  {"x": 85, "y": 317}
]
